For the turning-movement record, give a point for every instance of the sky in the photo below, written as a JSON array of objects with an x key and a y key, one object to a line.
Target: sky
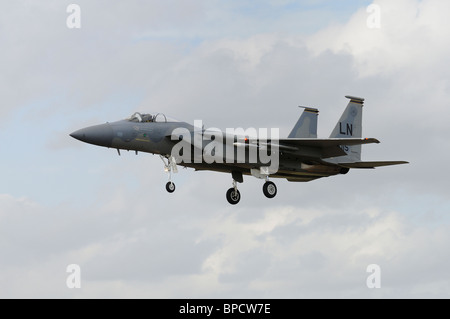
[{"x": 230, "y": 64}]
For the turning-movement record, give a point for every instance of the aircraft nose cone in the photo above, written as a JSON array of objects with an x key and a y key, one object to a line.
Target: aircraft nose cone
[{"x": 101, "y": 135}]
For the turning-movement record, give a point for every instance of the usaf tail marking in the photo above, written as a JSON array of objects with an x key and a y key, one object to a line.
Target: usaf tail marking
[{"x": 349, "y": 129}]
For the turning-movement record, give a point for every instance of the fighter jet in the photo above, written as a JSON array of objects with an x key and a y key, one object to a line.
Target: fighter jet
[{"x": 301, "y": 157}]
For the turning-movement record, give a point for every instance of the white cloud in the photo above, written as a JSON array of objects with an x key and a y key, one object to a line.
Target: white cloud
[
  {"x": 412, "y": 37},
  {"x": 280, "y": 252}
]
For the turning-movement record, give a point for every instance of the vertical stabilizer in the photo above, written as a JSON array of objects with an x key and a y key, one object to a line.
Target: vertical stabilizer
[
  {"x": 350, "y": 126},
  {"x": 306, "y": 126}
]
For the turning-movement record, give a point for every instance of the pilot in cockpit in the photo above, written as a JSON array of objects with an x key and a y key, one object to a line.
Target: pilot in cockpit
[{"x": 147, "y": 118}]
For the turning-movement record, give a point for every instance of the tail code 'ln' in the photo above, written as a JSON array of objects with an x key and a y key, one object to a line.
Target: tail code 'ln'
[{"x": 350, "y": 126}]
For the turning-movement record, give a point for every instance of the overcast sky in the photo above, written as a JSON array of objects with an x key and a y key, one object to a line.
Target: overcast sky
[{"x": 230, "y": 64}]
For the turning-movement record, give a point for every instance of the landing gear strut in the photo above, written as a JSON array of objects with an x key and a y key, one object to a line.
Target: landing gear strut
[{"x": 169, "y": 167}]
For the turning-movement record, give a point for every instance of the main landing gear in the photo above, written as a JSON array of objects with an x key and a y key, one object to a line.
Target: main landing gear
[
  {"x": 169, "y": 167},
  {"x": 234, "y": 196},
  {"x": 270, "y": 189}
]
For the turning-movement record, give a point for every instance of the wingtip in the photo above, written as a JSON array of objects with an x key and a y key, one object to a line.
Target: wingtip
[{"x": 372, "y": 140}]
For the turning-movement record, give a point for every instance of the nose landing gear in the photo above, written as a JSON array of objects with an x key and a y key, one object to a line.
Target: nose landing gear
[{"x": 169, "y": 167}]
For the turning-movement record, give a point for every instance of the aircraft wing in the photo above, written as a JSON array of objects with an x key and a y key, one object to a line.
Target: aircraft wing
[
  {"x": 310, "y": 147},
  {"x": 328, "y": 142},
  {"x": 329, "y": 147},
  {"x": 371, "y": 164}
]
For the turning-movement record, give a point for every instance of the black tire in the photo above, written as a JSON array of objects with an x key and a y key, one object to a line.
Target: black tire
[
  {"x": 270, "y": 189},
  {"x": 233, "y": 196},
  {"x": 170, "y": 187}
]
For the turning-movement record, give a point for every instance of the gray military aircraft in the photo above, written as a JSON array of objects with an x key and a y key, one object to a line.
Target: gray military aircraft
[{"x": 301, "y": 157}]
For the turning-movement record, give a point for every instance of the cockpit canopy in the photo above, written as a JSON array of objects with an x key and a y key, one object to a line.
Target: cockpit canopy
[{"x": 145, "y": 118}]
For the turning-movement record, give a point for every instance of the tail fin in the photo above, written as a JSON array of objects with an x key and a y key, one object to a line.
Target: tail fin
[
  {"x": 306, "y": 126},
  {"x": 350, "y": 126}
]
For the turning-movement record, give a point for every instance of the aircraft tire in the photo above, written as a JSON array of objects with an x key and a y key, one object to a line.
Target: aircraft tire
[
  {"x": 233, "y": 196},
  {"x": 170, "y": 187},
  {"x": 270, "y": 189}
]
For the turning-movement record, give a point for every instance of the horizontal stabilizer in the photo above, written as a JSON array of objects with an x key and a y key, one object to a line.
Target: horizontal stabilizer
[{"x": 371, "y": 164}]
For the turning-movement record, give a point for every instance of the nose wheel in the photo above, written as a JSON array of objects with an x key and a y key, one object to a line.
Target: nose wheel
[{"x": 170, "y": 187}]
